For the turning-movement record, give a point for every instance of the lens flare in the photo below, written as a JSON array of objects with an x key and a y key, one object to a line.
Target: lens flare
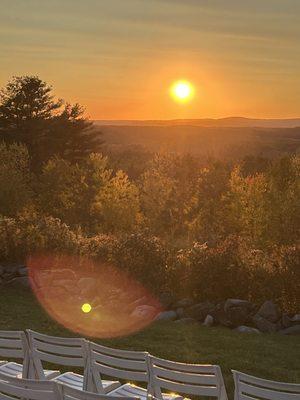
[
  {"x": 93, "y": 299},
  {"x": 86, "y": 308}
]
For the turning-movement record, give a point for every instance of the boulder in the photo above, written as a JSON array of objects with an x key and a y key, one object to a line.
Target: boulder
[
  {"x": 269, "y": 311},
  {"x": 186, "y": 321},
  {"x": 166, "y": 299},
  {"x": 67, "y": 284},
  {"x": 199, "y": 311},
  {"x": 221, "y": 317},
  {"x": 238, "y": 303},
  {"x": 295, "y": 319},
  {"x": 285, "y": 321},
  {"x": 183, "y": 303},
  {"x": 62, "y": 274},
  {"x": 22, "y": 271},
  {"x": 87, "y": 286},
  {"x": 139, "y": 302},
  {"x": 2, "y": 270},
  {"x": 166, "y": 316},
  {"x": 21, "y": 280},
  {"x": 144, "y": 311},
  {"x": 238, "y": 315},
  {"x": 246, "y": 329},
  {"x": 292, "y": 330},
  {"x": 180, "y": 312},
  {"x": 209, "y": 320},
  {"x": 263, "y": 324}
]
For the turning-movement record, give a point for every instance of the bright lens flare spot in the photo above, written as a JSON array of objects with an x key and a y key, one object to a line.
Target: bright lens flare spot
[
  {"x": 86, "y": 308},
  {"x": 182, "y": 91}
]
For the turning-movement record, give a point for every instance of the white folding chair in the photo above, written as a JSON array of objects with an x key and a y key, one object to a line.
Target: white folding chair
[
  {"x": 249, "y": 387},
  {"x": 13, "y": 344},
  {"x": 71, "y": 352},
  {"x": 121, "y": 364},
  {"x": 41, "y": 389},
  {"x": 69, "y": 393},
  {"x": 12, "y": 388},
  {"x": 187, "y": 379}
]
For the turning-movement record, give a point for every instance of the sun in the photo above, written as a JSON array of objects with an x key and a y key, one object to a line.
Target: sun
[{"x": 182, "y": 91}]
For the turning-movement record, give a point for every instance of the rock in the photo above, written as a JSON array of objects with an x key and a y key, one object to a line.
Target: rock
[
  {"x": 292, "y": 330},
  {"x": 2, "y": 270},
  {"x": 22, "y": 271},
  {"x": 269, "y": 311},
  {"x": 166, "y": 299},
  {"x": 285, "y": 321},
  {"x": 87, "y": 286},
  {"x": 186, "y": 321},
  {"x": 238, "y": 315},
  {"x": 183, "y": 303},
  {"x": 221, "y": 317},
  {"x": 21, "y": 280},
  {"x": 246, "y": 329},
  {"x": 209, "y": 320},
  {"x": 296, "y": 319},
  {"x": 62, "y": 274},
  {"x": 199, "y": 311},
  {"x": 67, "y": 284},
  {"x": 263, "y": 324},
  {"x": 166, "y": 316},
  {"x": 144, "y": 311},
  {"x": 180, "y": 312},
  {"x": 139, "y": 302},
  {"x": 237, "y": 303}
]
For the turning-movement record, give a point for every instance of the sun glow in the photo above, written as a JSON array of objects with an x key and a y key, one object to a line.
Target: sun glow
[{"x": 182, "y": 91}]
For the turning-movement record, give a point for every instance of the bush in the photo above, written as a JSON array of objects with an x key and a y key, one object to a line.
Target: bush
[
  {"x": 210, "y": 273},
  {"x": 99, "y": 247},
  {"x": 31, "y": 233},
  {"x": 232, "y": 270},
  {"x": 144, "y": 257}
]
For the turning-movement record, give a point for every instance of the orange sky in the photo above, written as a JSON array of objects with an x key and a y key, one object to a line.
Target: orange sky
[{"x": 118, "y": 58}]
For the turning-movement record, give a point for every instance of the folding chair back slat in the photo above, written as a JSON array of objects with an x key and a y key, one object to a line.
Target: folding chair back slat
[
  {"x": 188, "y": 379},
  {"x": 58, "y": 359},
  {"x": 13, "y": 344},
  {"x": 75, "y": 394},
  {"x": 11, "y": 391},
  {"x": 122, "y": 364},
  {"x": 71, "y": 352},
  {"x": 250, "y": 387}
]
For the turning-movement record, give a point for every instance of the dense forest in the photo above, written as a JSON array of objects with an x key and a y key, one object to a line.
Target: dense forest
[{"x": 181, "y": 222}]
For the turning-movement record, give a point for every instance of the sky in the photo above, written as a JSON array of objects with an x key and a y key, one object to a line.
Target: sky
[{"x": 118, "y": 58}]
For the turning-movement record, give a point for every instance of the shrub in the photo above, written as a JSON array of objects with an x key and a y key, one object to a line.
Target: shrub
[
  {"x": 99, "y": 247},
  {"x": 144, "y": 257},
  {"x": 31, "y": 233}
]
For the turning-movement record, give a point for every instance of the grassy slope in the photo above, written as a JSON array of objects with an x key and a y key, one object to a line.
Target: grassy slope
[{"x": 268, "y": 356}]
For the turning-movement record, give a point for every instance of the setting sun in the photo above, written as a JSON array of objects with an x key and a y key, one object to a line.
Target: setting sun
[{"x": 182, "y": 91}]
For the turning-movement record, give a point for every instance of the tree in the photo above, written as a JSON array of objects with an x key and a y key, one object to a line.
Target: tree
[
  {"x": 117, "y": 204},
  {"x": 30, "y": 114},
  {"x": 68, "y": 190},
  {"x": 15, "y": 179}
]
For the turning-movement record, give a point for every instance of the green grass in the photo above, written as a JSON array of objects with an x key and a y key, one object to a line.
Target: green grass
[{"x": 268, "y": 356}]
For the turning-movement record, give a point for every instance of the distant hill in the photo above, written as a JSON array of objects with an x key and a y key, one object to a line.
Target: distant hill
[
  {"x": 219, "y": 142},
  {"x": 234, "y": 122}
]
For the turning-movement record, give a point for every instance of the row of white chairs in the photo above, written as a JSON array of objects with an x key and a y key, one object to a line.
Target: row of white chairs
[{"x": 98, "y": 361}]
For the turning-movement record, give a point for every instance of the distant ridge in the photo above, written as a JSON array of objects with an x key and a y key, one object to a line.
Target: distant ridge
[{"x": 230, "y": 122}]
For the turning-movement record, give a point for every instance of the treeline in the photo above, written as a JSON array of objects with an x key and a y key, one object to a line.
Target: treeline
[{"x": 181, "y": 225}]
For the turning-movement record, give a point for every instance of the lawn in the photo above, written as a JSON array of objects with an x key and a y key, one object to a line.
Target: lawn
[{"x": 268, "y": 356}]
